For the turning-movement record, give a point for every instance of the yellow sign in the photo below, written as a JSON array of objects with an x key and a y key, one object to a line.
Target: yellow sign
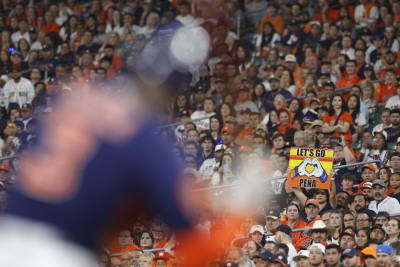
[{"x": 310, "y": 167}]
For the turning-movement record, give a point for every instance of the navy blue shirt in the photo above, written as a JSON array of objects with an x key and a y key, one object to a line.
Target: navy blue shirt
[{"x": 142, "y": 168}]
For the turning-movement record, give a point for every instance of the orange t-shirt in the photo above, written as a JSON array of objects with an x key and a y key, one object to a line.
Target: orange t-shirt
[
  {"x": 385, "y": 91},
  {"x": 345, "y": 117}
]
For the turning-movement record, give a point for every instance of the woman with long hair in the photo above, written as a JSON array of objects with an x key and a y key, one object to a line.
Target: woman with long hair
[
  {"x": 215, "y": 126},
  {"x": 266, "y": 40},
  {"x": 146, "y": 240},
  {"x": 115, "y": 24},
  {"x": 258, "y": 94},
  {"x": 181, "y": 103},
  {"x": 225, "y": 110},
  {"x": 242, "y": 58},
  {"x": 23, "y": 47},
  {"x": 362, "y": 237},
  {"x": 390, "y": 39},
  {"x": 285, "y": 121},
  {"x": 384, "y": 175},
  {"x": 287, "y": 81},
  {"x": 294, "y": 221},
  {"x": 359, "y": 120},
  {"x": 5, "y": 61},
  {"x": 392, "y": 230},
  {"x": 70, "y": 29},
  {"x": 338, "y": 121},
  {"x": 296, "y": 107}
]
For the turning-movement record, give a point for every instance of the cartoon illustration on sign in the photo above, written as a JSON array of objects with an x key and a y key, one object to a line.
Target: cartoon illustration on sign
[{"x": 311, "y": 167}]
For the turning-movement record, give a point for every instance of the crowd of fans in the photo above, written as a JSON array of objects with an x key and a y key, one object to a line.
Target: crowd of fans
[{"x": 280, "y": 73}]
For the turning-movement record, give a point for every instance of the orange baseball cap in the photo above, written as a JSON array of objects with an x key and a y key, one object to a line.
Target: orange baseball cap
[
  {"x": 312, "y": 201},
  {"x": 227, "y": 129},
  {"x": 369, "y": 166}
]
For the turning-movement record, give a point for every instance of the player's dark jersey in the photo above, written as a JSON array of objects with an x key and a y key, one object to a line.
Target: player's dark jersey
[{"x": 86, "y": 162}]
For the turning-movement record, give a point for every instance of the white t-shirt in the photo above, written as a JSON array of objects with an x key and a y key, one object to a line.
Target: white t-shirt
[{"x": 389, "y": 204}]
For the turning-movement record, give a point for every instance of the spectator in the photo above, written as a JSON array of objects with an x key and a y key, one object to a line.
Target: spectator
[
  {"x": 332, "y": 256},
  {"x": 18, "y": 89},
  {"x": 317, "y": 255},
  {"x": 384, "y": 253},
  {"x": 382, "y": 202},
  {"x": 350, "y": 257},
  {"x": 392, "y": 231}
]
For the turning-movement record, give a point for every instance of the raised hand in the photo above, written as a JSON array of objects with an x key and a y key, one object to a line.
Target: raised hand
[{"x": 301, "y": 169}]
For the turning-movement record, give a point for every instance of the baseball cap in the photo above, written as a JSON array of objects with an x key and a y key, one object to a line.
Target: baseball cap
[
  {"x": 47, "y": 48},
  {"x": 27, "y": 106},
  {"x": 265, "y": 255},
  {"x": 365, "y": 31},
  {"x": 281, "y": 259},
  {"x": 257, "y": 228},
  {"x": 384, "y": 249},
  {"x": 219, "y": 80},
  {"x": 349, "y": 252},
  {"x": 312, "y": 201},
  {"x": 369, "y": 166},
  {"x": 378, "y": 182},
  {"x": 184, "y": 113},
  {"x": 367, "y": 185},
  {"x": 302, "y": 254},
  {"x": 220, "y": 147},
  {"x": 290, "y": 58},
  {"x": 315, "y": 22},
  {"x": 352, "y": 234},
  {"x": 273, "y": 214},
  {"x": 384, "y": 214},
  {"x": 227, "y": 129},
  {"x": 377, "y": 226},
  {"x": 284, "y": 229},
  {"x": 318, "y": 246},
  {"x": 273, "y": 77},
  {"x": 316, "y": 123}
]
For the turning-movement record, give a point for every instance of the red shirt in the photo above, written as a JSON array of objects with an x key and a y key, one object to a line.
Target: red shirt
[{"x": 345, "y": 117}]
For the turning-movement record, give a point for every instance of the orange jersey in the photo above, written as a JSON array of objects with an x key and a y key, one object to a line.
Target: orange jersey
[{"x": 298, "y": 237}]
